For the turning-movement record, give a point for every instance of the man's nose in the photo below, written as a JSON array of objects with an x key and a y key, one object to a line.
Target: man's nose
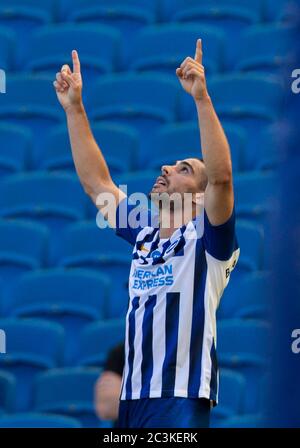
[{"x": 166, "y": 170}]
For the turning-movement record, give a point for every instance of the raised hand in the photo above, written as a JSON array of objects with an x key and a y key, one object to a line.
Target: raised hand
[
  {"x": 68, "y": 84},
  {"x": 192, "y": 76}
]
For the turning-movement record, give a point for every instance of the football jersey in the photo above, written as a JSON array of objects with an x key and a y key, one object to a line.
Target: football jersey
[{"x": 175, "y": 286}]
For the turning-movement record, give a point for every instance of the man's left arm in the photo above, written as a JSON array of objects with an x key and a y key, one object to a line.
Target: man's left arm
[{"x": 218, "y": 197}]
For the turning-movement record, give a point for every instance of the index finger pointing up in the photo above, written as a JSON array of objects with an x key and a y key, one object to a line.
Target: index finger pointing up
[
  {"x": 76, "y": 62},
  {"x": 198, "y": 54}
]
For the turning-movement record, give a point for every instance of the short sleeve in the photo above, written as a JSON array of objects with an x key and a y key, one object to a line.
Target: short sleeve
[
  {"x": 220, "y": 241},
  {"x": 131, "y": 219}
]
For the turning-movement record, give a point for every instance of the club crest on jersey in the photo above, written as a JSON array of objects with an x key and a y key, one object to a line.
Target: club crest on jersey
[{"x": 156, "y": 254}]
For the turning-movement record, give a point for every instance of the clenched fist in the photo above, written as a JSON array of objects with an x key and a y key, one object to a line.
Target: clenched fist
[
  {"x": 68, "y": 84},
  {"x": 191, "y": 75}
]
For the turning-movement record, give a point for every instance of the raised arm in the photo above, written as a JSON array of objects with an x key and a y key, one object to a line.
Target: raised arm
[
  {"x": 89, "y": 162},
  {"x": 218, "y": 197}
]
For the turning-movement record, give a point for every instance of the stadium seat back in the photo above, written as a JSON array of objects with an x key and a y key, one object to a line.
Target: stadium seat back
[
  {"x": 51, "y": 47},
  {"x": 32, "y": 345},
  {"x": 98, "y": 339},
  {"x": 68, "y": 392}
]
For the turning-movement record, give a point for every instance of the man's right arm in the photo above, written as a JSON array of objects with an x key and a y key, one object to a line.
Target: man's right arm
[{"x": 89, "y": 162}]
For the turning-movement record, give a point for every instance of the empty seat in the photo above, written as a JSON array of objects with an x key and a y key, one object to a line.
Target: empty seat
[
  {"x": 32, "y": 345},
  {"x": 69, "y": 392},
  {"x": 164, "y": 47},
  {"x": 38, "y": 420},
  {"x": 7, "y": 49},
  {"x": 24, "y": 16},
  {"x": 231, "y": 395},
  {"x": 119, "y": 145},
  {"x": 23, "y": 247},
  {"x": 54, "y": 199},
  {"x": 256, "y": 195},
  {"x": 85, "y": 245},
  {"x": 142, "y": 100},
  {"x": 7, "y": 391},
  {"x": 244, "y": 346},
  {"x": 267, "y": 48},
  {"x": 231, "y": 16},
  {"x": 251, "y": 241},
  {"x": 250, "y": 100},
  {"x": 138, "y": 182},
  {"x": 182, "y": 140},
  {"x": 98, "y": 339},
  {"x": 31, "y": 100},
  {"x": 51, "y": 47},
  {"x": 16, "y": 146},
  {"x": 70, "y": 297},
  {"x": 128, "y": 16},
  {"x": 247, "y": 297}
]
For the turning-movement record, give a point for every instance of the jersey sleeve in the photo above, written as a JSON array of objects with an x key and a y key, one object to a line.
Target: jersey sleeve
[
  {"x": 222, "y": 250},
  {"x": 220, "y": 241},
  {"x": 131, "y": 219}
]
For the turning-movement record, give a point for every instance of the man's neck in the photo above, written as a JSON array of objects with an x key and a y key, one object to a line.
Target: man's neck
[{"x": 170, "y": 220}]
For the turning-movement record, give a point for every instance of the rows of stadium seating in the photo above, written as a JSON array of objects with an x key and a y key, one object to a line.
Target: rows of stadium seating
[
  {"x": 163, "y": 45},
  {"x": 60, "y": 304},
  {"x": 37, "y": 379}
]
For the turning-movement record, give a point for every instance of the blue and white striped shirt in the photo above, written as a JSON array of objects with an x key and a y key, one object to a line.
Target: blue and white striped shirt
[{"x": 175, "y": 286}]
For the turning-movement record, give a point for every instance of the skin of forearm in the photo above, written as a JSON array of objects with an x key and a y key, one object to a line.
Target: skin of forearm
[
  {"x": 214, "y": 144},
  {"x": 89, "y": 162}
]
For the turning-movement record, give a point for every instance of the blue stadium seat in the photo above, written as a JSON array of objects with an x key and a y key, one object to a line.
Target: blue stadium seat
[
  {"x": 267, "y": 48},
  {"x": 231, "y": 395},
  {"x": 138, "y": 182},
  {"x": 128, "y": 16},
  {"x": 23, "y": 247},
  {"x": 119, "y": 145},
  {"x": 7, "y": 392},
  {"x": 97, "y": 339},
  {"x": 69, "y": 392},
  {"x": 246, "y": 297},
  {"x": 251, "y": 241},
  {"x": 164, "y": 47},
  {"x": 142, "y": 100},
  {"x": 24, "y": 16},
  {"x": 256, "y": 195},
  {"x": 54, "y": 199},
  {"x": 72, "y": 298},
  {"x": 31, "y": 100},
  {"x": 182, "y": 140},
  {"x": 84, "y": 245},
  {"x": 243, "y": 346},
  {"x": 7, "y": 49},
  {"x": 32, "y": 345},
  {"x": 16, "y": 145},
  {"x": 51, "y": 47},
  {"x": 243, "y": 421},
  {"x": 38, "y": 420},
  {"x": 231, "y": 16},
  {"x": 250, "y": 100}
]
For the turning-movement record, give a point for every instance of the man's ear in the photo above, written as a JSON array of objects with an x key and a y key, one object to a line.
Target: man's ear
[{"x": 198, "y": 198}]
